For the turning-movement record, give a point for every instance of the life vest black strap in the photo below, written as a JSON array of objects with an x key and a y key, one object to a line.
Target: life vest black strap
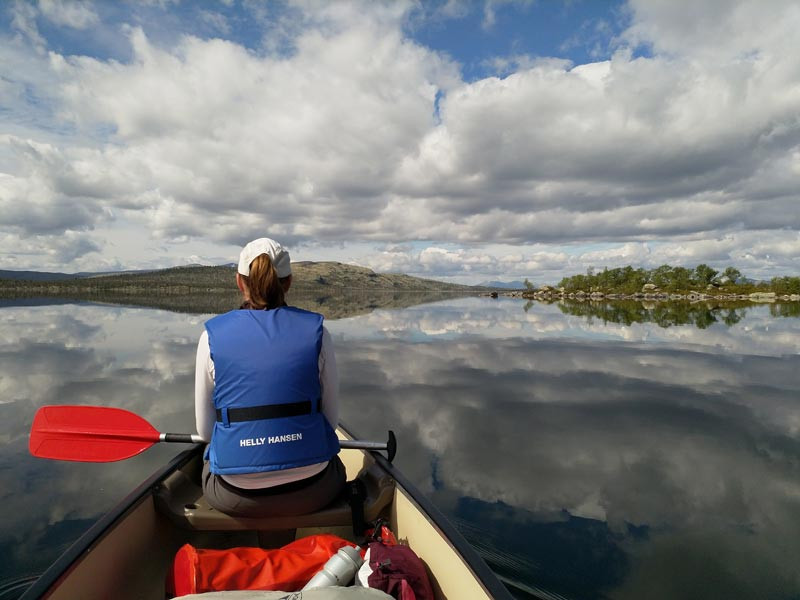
[{"x": 266, "y": 411}]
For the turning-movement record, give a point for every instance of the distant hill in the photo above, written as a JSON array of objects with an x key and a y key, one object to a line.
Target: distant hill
[
  {"x": 331, "y": 288},
  {"x": 307, "y": 277},
  {"x": 37, "y": 275},
  {"x": 49, "y": 276},
  {"x": 506, "y": 285}
]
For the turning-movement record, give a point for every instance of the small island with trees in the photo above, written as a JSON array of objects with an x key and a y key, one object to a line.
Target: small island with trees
[{"x": 667, "y": 283}]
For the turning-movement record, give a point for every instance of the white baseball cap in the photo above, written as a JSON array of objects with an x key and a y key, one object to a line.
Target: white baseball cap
[{"x": 277, "y": 254}]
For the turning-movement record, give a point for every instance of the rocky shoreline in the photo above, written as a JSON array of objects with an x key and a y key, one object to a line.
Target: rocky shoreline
[{"x": 653, "y": 295}]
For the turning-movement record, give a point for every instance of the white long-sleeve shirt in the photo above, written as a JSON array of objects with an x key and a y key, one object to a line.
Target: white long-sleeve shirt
[{"x": 206, "y": 415}]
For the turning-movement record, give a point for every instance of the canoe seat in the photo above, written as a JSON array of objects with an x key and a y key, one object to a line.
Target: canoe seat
[{"x": 180, "y": 498}]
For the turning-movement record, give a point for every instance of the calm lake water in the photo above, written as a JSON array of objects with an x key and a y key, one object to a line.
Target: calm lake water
[{"x": 585, "y": 454}]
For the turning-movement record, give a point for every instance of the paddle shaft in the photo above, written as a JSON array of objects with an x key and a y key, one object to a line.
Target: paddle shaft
[
  {"x": 187, "y": 438},
  {"x": 106, "y": 434}
]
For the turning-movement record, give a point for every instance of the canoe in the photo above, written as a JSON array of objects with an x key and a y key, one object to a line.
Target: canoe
[{"x": 127, "y": 553}]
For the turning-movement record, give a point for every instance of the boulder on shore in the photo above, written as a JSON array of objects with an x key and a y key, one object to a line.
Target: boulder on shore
[{"x": 762, "y": 296}]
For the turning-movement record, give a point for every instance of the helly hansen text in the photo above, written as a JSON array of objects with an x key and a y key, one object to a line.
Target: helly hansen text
[{"x": 275, "y": 439}]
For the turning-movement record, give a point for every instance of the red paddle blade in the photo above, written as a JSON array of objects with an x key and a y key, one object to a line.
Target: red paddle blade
[{"x": 89, "y": 433}]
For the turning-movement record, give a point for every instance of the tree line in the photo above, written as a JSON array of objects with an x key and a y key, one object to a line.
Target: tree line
[{"x": 674, "y": 280}]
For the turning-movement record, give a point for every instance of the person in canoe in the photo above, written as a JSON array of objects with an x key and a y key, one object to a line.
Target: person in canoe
[{"x": 266, "y": 398}]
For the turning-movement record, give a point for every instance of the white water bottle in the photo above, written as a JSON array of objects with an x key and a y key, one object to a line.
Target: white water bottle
[{"x": 339, "y": 570}]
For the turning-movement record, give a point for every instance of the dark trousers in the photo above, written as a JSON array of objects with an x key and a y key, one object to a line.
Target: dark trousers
[{"x": 296, "y": 498}]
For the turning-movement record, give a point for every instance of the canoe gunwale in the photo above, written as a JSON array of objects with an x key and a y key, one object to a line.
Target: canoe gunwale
[
  {"x": 492, "y": 584},
  {"x": 105, "y": 524}
]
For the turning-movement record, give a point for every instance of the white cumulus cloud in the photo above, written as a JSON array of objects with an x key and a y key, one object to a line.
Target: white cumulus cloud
[{"x": 343, "y": 128}]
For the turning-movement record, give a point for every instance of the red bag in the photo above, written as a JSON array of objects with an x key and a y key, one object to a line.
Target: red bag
[
  {"x": 398, "y": 571},
  {"x": 286, "y": 569}
]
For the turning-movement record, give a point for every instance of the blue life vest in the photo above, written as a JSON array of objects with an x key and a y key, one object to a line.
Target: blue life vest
[{"x": 267, "y": 392}]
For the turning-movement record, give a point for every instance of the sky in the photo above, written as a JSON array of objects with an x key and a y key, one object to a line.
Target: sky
[{"x": 462, "y": 141}]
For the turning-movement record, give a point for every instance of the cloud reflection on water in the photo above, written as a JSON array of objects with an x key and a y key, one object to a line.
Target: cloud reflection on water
[
  {"x": 627, "y": 455},
  {"x": 138, "y": 359},
  {"x": 685, "y": 449}
]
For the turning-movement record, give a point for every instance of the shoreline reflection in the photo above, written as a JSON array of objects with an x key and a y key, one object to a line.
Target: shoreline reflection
[
  {"x": 669, "y": 314},
  {"x": 337, "y": 304}
]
